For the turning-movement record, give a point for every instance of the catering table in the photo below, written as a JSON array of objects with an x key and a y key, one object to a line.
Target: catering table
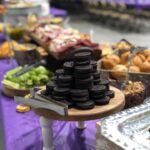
[{"x": 22, "y": 130}]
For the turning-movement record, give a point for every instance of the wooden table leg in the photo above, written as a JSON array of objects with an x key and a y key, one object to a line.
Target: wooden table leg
[
  {"x": 47, "y": 133},
  {"x": 81, "y": 125}
]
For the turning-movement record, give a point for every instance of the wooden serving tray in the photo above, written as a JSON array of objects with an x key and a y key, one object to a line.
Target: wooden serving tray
[
  {"x": 115, "y": 105},
  {"x": 11, "y": 92}
]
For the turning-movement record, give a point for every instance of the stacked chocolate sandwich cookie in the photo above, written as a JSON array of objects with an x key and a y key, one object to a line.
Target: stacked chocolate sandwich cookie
[{"x": 79, "y": 84}]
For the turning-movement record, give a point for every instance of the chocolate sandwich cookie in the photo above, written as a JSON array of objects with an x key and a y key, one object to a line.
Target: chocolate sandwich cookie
[
  {"x": 110, "y": 94},
  {"x": 105, "y": 83},
  {"x": 84, "y": 81},
  {"x": 96, "y": 96},
  {"x": 94, "y": 65},
  {"x": 85, "y": 105},
  {"x": 54, "y": 79},
  {"x": 83, "y": 69},
  {"x": 58, "y": 98},
  {"x": 87, "y": 85},
  {"x": 60, "y": 91},
  {"x": 68, "y": 67},
  {"x": 49, "y": 87},
  {"x": 82, "y": 63},
  {"x": 102, "y": 101},
  {"x": 59, "y": 72},
  {"x": 96, "y": 75},
  {"x": 82, "y": 76},
  {"x": 84, "y": 56},
  {"x": 64, "y": 85},
  {"x": 78, "y": 93},
  {"x": 64, "y": 79},
  {"x": 80, "y": 99},
  {"x": 96, "y": 82},
  {"x": 97, "y": 89}
]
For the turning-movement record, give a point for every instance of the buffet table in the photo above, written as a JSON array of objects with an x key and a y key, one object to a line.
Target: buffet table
[{"x": 22, "y": 130}]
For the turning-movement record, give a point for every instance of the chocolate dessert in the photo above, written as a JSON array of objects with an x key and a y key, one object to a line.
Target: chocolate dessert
[{"x": 79, "y": 84}]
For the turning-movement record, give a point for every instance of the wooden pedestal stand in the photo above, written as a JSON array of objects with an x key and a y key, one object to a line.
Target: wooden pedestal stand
[{"x": 46, "y": 117}]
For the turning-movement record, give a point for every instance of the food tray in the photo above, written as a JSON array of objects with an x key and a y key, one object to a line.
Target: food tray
[
  {"x": 144, "y": 77},
  {"x": 129, "y": 129},
  {"x": 11, "y": 92}
]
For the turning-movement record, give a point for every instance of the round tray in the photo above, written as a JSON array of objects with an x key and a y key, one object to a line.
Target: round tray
[
  {"x": 11, "y": 92},
  {"x": 116, "y": 104}
]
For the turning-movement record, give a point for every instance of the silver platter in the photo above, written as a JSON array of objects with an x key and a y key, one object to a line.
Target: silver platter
[{"x": 129, "y": 129}]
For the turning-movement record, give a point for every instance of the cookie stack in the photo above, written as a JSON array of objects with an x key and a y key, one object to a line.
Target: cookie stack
[{"x": 79, "y": 84}]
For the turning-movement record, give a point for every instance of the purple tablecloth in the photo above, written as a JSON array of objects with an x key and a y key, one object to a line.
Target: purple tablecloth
[
  {"x": 22, "y": 130},
  {"x": 58, "y": 12}
]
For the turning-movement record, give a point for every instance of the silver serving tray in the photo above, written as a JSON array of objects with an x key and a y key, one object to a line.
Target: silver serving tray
[{"x": 129, "y": 129}]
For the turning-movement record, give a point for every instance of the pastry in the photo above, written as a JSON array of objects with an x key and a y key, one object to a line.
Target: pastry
[
  {"x": 146, "y": 53},
  {"x": 137, "y": 61},
  {"x": 145, "y": 66},
  {"x": 134, "y": 94},
  {"x": 22, "y": 108},
  {"x": 119, "y": 71},
  {"x": 124, "y": 57},
  {"x": 142, "y": 57},
  {"x": 110, "y": 61},
  {"x": 134, "y": 69}
]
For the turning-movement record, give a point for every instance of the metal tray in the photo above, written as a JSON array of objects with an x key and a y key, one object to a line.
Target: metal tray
[{"x": 129, "y": 129}]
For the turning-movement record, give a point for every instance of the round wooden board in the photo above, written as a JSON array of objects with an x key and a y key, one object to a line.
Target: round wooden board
[
  {"x": 11, "y": 92},
  {"x": 115, "y": 105}
]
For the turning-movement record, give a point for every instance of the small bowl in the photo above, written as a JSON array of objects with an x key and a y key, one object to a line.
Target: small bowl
[{"x": 26, "y": 57}]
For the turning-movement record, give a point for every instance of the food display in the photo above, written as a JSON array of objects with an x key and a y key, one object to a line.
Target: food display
[
  {"x": 35, "y": 77},
  {"x": 119, "y": 64},
  {"x": 5, "y": 50},
  {"x": 134, "y": 94},
  {"x": 58, "y": 39},
  {"x": 79, "y": 84}
]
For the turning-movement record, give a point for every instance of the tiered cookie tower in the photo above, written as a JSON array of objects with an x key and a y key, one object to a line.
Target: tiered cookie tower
[{"x": 78, "y": 84}]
